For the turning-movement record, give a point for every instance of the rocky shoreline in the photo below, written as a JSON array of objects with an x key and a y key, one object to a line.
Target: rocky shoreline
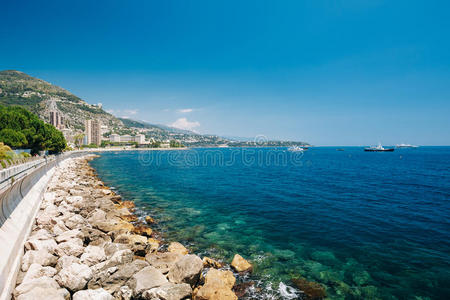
[{"x": 86, "y": 243}]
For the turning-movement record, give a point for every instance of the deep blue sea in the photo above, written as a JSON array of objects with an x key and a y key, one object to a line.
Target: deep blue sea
[{"x": 365, "y": 225}]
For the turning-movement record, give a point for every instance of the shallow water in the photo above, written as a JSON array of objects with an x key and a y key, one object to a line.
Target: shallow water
[{"x": 365, "y": 225}]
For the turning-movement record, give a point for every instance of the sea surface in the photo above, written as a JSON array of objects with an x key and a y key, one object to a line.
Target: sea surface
[{"x": 365, "y": 225}]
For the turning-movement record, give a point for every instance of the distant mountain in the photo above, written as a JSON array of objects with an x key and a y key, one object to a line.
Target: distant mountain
[{"x": 40, "y": 97}]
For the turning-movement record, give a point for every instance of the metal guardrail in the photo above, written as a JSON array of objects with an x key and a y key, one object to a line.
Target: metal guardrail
[{"x": 12, "y": 196}]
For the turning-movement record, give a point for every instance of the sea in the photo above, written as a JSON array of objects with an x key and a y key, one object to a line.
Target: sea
[{"x": 364, "y": 225}]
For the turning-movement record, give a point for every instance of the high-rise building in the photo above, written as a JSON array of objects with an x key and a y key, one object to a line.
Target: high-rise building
[
  {"x": 56, "y": 119},
  {"x": 93, "y": 132}
]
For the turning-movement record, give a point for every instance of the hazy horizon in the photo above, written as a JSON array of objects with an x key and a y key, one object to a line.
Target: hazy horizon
[{"x": 348, "y": 73}]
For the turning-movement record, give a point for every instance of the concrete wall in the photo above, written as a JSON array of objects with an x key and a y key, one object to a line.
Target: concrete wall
[{"x": 19, "y": 205}]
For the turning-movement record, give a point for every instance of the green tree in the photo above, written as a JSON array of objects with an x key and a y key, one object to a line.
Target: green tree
[
  {"x": 13, "y": 138},
  {"x": 20, "y": 128}
]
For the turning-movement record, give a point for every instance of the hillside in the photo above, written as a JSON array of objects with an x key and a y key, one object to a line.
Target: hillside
[{"x": 40, "y": 97}]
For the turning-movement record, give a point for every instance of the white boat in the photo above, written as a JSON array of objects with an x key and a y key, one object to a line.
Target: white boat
[
  {"x": 378, "y": 148},
  {"x": 406, "y": 146},
  {"x": 296, "y": 149}
]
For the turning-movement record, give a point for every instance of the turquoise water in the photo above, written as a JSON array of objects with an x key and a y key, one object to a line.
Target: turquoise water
[{"x": 365, "y": 225}]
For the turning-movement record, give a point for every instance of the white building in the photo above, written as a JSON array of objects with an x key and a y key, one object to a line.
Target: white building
[
  {"x": 92, "y": 129},
  {"x": 115, "y": 138},
  {"x": 139, "y": 138}
]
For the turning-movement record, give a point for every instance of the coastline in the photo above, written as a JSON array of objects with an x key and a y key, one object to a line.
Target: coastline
[{"x": 86, "y": 243}]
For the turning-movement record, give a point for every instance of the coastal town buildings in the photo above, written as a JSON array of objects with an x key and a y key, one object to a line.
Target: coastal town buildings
[
  {"x": 92, "y": 132},
  {"x": 56, "y": 119}
]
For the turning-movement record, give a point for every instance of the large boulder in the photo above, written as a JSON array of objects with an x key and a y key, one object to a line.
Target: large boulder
[
  {"x": 224, "y": 277},
  {"x": 75, "y": 221},
  {"x": 115, "y": 225},
  {"x": 134, "y": 241},
  {"x": 176, "y": 247},
  {"x": 217, "y": 286},
  {"x": 240, "y": 264},
  {"x": 47, "y": 216},
  {"x": 169, "y": 291},
  {"x": 186, "y": 270},
  {"x": 118, "y": 258},
  {"x": 210, "y": 292},
  {"x": 93, "y": 255},
  {"x": 95, "y": 237},
  {"x": 96, "y": 216},
  {"x": 211, "y": 263},
  {"x": 41, "y": 240},
  {"x": 59, "y": 227},
  {"x": 65, "y": 261},
  {"x": 98, "y": 294},
  {"x": 41, "y": 257},
  {"x": 43, "y": 283},
  {"x": 147, "y": 278},
  {"x": 71, "y": 247},
  {"x": 50, "y": 294},
  {"x": 68, "y": 235},
  {"x": 111, "y": 248},
  {"x": 163, "y": 261},
  {"x": 113, "y": 278},
  {"x": 38, "y": 271},
  {"x": 74, "y": 277}
]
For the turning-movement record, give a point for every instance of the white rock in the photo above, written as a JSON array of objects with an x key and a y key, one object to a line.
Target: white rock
[
  {"x": 49, "y": 197},
  {"x": 75, "y": 221},
  {"x": 41, "y": 257},
  {"x": 59, "y": 227},
  {"x": 65, "y": 261},
  {"x": 98, "y": 294},
  {"x": 41, "y": 234},
  {"x": 71, "y": 247},
  {"x": 38, "y": 244},
  {"x": 50, "y": 294},
  {"x": 97, "y": 216},
  {"x": 187, "y": 270},
  {"x": 93, "y": 255},
  {"x": 68, "y": 235},
  {"x": 74, "y": 277},
  {"x": 43, "y": 282},
  {"x": 168, "y": 291},
  {"x": 147, "y": 278},
  {"x": 38, "y": 271}
]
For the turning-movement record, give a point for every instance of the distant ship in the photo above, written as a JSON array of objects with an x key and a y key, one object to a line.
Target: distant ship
[
  {"x": 378, "y": 148},
  {"x": 296, "y": 149},
  {"x": 406, "y": 146}
]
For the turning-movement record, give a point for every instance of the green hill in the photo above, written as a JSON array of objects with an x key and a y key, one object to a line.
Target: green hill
[{"x": 40, "y": 97}]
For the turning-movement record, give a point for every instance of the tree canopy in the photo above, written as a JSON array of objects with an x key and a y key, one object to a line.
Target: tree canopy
[{"x": 20, "y": 128}]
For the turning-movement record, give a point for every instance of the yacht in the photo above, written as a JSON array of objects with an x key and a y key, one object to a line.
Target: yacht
[
  {"x": 296, "y": 149},
  {"x": 378, "y": 148}
]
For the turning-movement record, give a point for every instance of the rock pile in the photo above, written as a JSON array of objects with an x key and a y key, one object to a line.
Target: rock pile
[{"x": 87, "y": 244}]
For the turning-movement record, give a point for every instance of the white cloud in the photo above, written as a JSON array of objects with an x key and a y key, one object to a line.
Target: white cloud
[
  {"x": 183, "y": 123},
  {"x": 130, "y": 111},
  {"x": 185, "y": 110}
]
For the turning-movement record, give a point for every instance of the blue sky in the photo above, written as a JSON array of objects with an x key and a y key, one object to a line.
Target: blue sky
[{"x": 327, "y": 72}]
